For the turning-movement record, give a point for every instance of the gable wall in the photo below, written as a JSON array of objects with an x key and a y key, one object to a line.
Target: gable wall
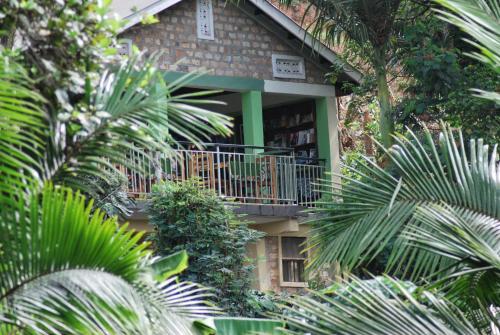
[{"x": 242, "y": 47}]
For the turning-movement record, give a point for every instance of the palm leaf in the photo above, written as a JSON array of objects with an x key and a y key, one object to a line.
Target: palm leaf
[
  {"x": 375, "y": 210},
  {"x": 481, "y": 20},
  {"x": 473, "y": 241},
  {"x": 131, "y": 110},
  {"x": 53, "y": 253},
  {"x": 135, "y": 111},
  {"x": 377, "y": 306},
  {"x": 21, "y": 138}
]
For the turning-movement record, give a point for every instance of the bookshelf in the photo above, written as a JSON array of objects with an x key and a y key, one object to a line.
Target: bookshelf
[{"x": 292, "y": 126}]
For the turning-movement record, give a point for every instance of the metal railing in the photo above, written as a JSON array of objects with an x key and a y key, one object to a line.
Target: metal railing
[{"x": 245, "y": 174}]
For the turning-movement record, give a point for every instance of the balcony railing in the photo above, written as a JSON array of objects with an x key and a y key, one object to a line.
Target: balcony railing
[{"x": 245, "y": 174}]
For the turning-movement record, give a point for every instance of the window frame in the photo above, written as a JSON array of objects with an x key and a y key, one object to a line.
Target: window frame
[{"x": 280, "y": 262}]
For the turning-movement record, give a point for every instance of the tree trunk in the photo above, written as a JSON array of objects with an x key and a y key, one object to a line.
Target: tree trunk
[{"x": 386, "y": 121}]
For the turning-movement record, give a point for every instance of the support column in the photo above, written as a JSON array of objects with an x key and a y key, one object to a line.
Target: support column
[
  {"x": 328, "y": 135},
  {"x": 253, "y": 129}
]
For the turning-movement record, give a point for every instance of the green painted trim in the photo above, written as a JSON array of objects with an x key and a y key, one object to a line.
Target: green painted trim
[
  {"x": 322, "y": 128},
  {"x": 253, "y": 128},
  {"x": 218, "y": 82}
]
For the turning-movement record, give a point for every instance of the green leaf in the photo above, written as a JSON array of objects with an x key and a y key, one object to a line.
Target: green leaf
[
  {"x": 377, "y": 306},
  {"x": 66, "y": 270},
  {"x": 247, "y": 326},
  {"x": 168, "y": 266}
]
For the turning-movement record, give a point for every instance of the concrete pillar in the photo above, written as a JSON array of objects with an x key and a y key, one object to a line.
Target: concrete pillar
[
  {"x": 261, "y": 267},
  {"x": 253, "y": 129},
  {"x": 328, "y": 135}
]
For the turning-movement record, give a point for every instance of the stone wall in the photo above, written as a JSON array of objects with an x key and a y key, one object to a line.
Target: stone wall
[{"x": 242, "y": 47}]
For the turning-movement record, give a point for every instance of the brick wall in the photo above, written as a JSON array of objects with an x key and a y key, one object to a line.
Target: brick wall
[{"x": 241, "y": 48}]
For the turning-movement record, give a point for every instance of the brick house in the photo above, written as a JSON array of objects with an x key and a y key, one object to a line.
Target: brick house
[{"x": 285, "y": 136}]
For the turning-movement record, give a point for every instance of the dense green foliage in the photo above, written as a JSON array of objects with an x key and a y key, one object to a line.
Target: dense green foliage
[
  {"x": 440, "y": 80},
  {"x": 437, "y": 209},
  {"x": 432, "y": 218},
  {"x": 111, "y": 195},
  {"x": 376, "y": 306},
  {"x": 189, "y": 217},
  {"x": 68, "y": 116},
  {"x": 65, "y": 45},
  {"x": 52, "y": 279}
]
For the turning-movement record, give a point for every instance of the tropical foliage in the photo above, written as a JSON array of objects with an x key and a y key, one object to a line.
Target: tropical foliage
[
  {"x": 66, "y": 271},
  {"x": 369, "y": 29},
  {"x": 187, "y": 216},
  {"x": 439, "y": 81},
  {"x": 64, "y": 268},
  {"x": 377, "y": 306},
  {"x": 95, "y": 108},
  {"x": 437, "y": 209},
  {"x": 481, "y": 20}
]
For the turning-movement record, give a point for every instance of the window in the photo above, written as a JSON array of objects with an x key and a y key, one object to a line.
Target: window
[
  {"x": 286, "y": 66},
  {"x": 292, "y": 260},
  {"x": 205, "y": 19}
]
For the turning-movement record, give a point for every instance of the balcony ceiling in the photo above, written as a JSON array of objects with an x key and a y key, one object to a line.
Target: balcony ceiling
[{"x": 233, "y": 102}]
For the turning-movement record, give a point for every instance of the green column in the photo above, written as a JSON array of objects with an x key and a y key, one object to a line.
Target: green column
[
  {"x": 253, "y": 129},
  {"x": 323, "y": 136}
]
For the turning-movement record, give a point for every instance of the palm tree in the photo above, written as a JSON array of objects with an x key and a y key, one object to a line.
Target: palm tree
[
  {"x": 369, "y": 25},
  {"x": 64, "y": 267},
  {"x": 462, "y": 298},
  {"x": 65, "y": 271},
  {"x": 376, "y": 209},
  {"x": 438, "y": 210}
]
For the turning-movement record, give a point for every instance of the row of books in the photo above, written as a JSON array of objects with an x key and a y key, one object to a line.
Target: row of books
[
  {"x": 297, "y": 138},
  {"x": 288, "y": 121}
]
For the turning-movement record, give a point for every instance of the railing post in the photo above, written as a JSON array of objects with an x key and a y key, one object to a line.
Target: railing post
[
  {"x": 295, "y": 196},
  {"x": 219, "y": 181}
]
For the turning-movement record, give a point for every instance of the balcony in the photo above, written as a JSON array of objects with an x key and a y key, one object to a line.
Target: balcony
[{"x": 237, "y": 173}]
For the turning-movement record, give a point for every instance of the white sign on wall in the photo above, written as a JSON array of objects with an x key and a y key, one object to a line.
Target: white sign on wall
[
  {"x": 124, "y": 47},
  {"x": 205, "y": 19}
]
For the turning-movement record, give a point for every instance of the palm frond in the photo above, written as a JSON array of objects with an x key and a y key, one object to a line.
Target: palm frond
[
  {"x": 472, "y": 240},
  {"x": 190, "y": 300},
  {"x": 64, "y": 269},
  {"x": 21, "y": 138},
  {"x": 374, "y": 211},
  {"x": 101, "y": 303},
  {"x": 378, "y": 306},
  {"x": 134, "y": 110}
]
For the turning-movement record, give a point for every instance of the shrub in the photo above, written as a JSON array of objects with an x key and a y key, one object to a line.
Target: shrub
[{"x": 188, "y": 217}]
